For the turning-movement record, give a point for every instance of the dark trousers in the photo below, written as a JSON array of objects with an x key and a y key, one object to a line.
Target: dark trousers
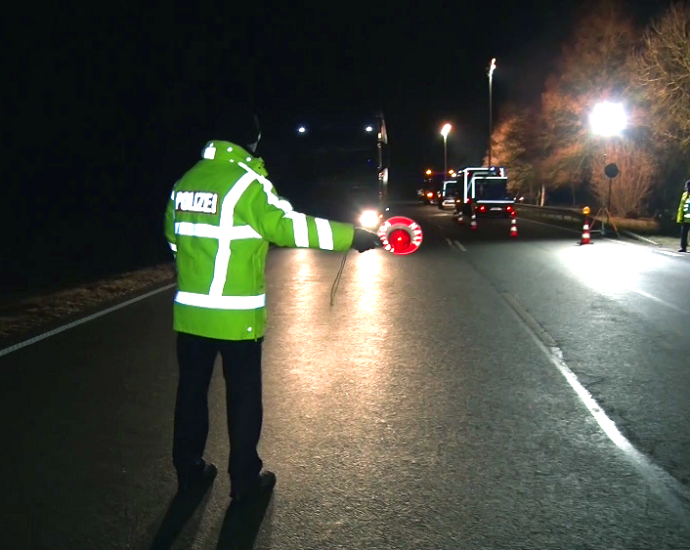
[
  {"x": 684, "y": 230},
  {"x": 242, "y": 371}
]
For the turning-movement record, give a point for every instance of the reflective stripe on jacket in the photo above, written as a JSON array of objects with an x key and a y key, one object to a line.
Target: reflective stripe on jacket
[
  {"x": 221, "y": 217},
  {"x": 684, "y": 209}
]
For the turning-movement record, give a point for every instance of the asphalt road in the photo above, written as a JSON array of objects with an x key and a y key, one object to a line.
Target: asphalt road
[{"x": 485, "y": 392}]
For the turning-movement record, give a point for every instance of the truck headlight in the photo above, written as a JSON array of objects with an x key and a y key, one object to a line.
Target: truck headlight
[{"x": 369, "y": 218}]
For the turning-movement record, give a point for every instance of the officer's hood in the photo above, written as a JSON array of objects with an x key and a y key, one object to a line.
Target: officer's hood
[{"x": 218, "y": 150}]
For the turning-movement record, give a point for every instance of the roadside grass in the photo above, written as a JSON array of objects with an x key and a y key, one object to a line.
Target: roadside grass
[{"x": 34, "y": 312}]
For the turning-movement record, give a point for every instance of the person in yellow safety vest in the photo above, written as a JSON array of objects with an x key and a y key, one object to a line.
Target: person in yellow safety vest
[
  {"x": 683, "y": 218},
  {"x": 221, "y": 217}
]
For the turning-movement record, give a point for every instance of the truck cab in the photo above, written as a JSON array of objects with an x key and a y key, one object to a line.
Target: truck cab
[{"x": 485, "y": 193}]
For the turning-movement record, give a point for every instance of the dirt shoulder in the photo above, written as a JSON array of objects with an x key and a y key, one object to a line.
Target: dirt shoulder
[{"x": 30, "y": 314}]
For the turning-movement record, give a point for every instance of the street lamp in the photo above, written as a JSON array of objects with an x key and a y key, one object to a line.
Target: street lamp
[
  {"x": 492, "y": 68},
  {"x": 369, "y": 129},
  {"x": 301, "y": 129},
  {"x": 444, "y": 132},
  {"x": 608, "y": 119}
]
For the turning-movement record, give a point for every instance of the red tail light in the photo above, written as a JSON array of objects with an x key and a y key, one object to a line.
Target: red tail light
[
  {"x": 482, "y": 208},
  {"x": 509, "y": 208}
]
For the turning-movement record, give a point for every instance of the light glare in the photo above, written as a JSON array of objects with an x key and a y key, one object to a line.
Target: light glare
[
  {"x": 608, "y": 119},
  {"x": 369, "y": 218}
]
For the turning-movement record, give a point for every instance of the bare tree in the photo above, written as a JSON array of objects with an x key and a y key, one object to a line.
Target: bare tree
[
  {"x": 631, "y": 188},
  {"x": 662, "y": 73},
  {"x": 510, "y": 143},
  {"x": 592, "y": 68}
]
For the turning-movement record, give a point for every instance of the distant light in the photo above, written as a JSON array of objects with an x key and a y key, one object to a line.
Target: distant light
[
  {"x": 301, "y": 129},
  {"x": 428, "y": 172},
  {"x": 445, "y": 130},
  {"x": 492, "y": 67},
  {"x": 451, "y": 172},
  {"x": 369, "y": 129},
  {"x": 369, "y": 218},
  {"x": 608, "y": 119}
]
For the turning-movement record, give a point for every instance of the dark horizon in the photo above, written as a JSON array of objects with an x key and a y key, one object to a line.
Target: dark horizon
[{"x": 106, "y": 107}]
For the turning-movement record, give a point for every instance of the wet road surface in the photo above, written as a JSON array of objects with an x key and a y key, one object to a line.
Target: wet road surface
[{"x": 434, "y": 405}]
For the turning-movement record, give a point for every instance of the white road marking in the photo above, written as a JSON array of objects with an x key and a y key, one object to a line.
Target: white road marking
[
  {"x": 459, "y": 245},
  {"x": 665, "y": 252},
  {"x": 78, "y": 322},
  {"x": 658, "y": 300},
  {"x": 668, "y": 488},
  {"x": 456, "y": 245},
  {"x": 551, "y": 225}
]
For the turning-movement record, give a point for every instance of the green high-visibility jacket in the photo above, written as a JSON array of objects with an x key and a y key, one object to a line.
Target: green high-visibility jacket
[
  {"x": 221, "y": 217},
  {"x": 684, "y": 209}
]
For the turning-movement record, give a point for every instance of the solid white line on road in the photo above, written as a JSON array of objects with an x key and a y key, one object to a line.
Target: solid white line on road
[
  {"x": 658, "y": 300},
  {"x": 459, "y": 245},
  {"x": 456, "y": 245},
  {"x": 673, "y": 493},
  {"x": 78, "y": 322},
  {"x": 550, "y": 225},
  {"x": 666, "y": 252}
]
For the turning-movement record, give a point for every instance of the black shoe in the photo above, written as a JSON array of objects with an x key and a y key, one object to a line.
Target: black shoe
[
  {"x": 201, "y": 477},
  {"x": 263, "y": 485},
  {"x": 682, "y": 250}
]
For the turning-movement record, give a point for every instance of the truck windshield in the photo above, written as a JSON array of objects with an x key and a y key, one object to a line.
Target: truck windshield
[{"x": 486, "y": 189}]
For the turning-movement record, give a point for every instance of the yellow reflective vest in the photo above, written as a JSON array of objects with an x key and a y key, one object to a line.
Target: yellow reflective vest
[
  {"x": 684, "y": 209},
  {"x": 221, "y": 217}
]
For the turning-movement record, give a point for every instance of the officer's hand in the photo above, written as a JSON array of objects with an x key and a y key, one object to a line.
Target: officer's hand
[{"x": 365, "y": 240}]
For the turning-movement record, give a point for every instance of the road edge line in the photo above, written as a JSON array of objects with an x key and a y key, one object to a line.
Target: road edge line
[
  {"x": 672, "y": 492},
  {"x": 81, "y": 321}
]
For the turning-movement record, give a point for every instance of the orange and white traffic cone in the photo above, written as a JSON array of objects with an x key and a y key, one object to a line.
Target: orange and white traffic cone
[
  {"x": 473, "y": 222},
  {"x": 585, "y": 234},
  {"x": 513, "y": 227}
]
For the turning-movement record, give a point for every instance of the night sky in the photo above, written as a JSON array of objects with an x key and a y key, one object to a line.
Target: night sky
[{"x": 106, "y": 103}]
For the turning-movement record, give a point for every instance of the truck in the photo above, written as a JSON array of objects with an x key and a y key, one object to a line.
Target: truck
[
  {"x": 346, "y": 165},
  {"x": 485, "y": 192}
]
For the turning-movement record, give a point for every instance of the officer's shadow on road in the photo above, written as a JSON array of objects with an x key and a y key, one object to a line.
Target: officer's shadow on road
[
  {"x": 242, "y": 523},
  {"x": 180, "y": 521}
]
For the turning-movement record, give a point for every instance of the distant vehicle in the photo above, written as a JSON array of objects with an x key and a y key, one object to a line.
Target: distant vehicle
[
  {"x": 486, "y": 189},
  {"x": 449, "y": 194},
  {"x": 426, "y": 195},
  {"x": 348, "y": 163},
  {"x": 431, "y": 188}
]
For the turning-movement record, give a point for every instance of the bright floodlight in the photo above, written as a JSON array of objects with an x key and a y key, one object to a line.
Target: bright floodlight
[
  {"x": 492, "y": 67},
  {"x": 369, "y": 218},
  {"x": 608, "y": 119},
  {"x": 445, "y": 130},
  {"x": 301, "y": 129},
  {"x": 369, "y": 129}
]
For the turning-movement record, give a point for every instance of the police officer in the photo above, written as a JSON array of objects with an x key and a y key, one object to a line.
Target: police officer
[
  {"x": 221, "y": 217},
  {"x": 683, "y": 218}
]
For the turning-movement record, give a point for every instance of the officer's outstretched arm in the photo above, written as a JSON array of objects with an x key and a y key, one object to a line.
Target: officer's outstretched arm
[{"x": 274, "y": 219}]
